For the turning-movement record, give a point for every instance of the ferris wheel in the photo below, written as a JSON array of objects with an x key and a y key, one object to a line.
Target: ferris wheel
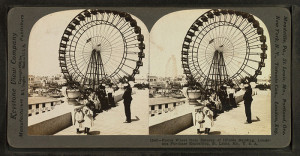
[
  {"x": 224, "y": 46},
  {"x": 100, "y": 45}
]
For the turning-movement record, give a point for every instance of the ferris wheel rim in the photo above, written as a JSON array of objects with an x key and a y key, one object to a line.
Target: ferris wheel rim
[
  {"x": 136, "y": 33},
  {"x": 217, "y": 12}
]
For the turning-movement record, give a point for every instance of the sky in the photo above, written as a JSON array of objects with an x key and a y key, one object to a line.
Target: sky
[
  {"x": 166, "y": 38},
  {"x": 44, "y": 42}
]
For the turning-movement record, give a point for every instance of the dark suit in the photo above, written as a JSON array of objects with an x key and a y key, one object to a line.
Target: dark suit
[
  {"x": 223, "y": 98},
  {"x": 127, "y": 101},
  {"x": 247, "y": 101}
]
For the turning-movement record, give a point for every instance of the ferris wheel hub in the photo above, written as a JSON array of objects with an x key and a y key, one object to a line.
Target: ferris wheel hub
[
  {"x": 97, "y": 47},
  {"x": 220, "y": 49}
]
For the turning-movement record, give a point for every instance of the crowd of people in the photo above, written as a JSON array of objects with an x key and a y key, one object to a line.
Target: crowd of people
[
  {"x": 215, "y": 103},
  {"x": 97, "y": 101}
]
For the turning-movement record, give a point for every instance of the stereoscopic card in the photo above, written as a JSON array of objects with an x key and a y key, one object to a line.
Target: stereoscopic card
[{"x": 146, "y": 77}]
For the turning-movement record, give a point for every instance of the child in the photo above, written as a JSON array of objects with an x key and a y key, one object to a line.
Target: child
[
  {"x": 88, "y": 119},
  {"x": 199, "y": 120},
  {"x": 79, "y": 118},
  {"x": 208, "y": 119}
]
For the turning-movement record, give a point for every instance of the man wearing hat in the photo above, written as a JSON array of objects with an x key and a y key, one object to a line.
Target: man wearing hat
[
  {"x": 247, "y": 101},
  {"x": 223, "y": 97},
  {"x": 102, "y": 97},
  {"x": 127, "y": 101}
]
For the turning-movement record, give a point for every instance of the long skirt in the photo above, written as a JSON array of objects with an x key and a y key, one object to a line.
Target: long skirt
[
  {"x": 111, "y": 100},
  {"x": 232, "y": 100}
]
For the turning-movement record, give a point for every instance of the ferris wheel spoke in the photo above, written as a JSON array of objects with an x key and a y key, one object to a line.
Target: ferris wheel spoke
[
  {"x": 133, "y": 52},
  {"x": 246, "y": 27},
  {"x": 79, "y": 59},
  {"x": 233, "y": 78},
  {"x": 132, "y": 45},
  {"x": 206, "y": 68},
  {"x": 251, "y": 31},
  {"x": 241, "y": 49},
  {"x": 202, "y": 41},
  {"x": 197, "y": 73},
  {"x": 125, "y": 27},
  {"x": 109, "y": 71},
  {"x": 117, "y": 74},
  {"x": 117, "y": 43},
  {"x": 251, "y": 67},
  {"x": 207, "y": 49},
  {"x": 104, "y": 44},
  {"x": 115, "y": 56},
  {"x": 127, "y": 32},
  {"x": 133, "y": 37},
  {"x": 130, "y": 35},
  {"x": 253, "y": 36},
  {"x": 254, "y": 53},
  {"x": 104, "y": 30},
  {"x": 239, "y": 39},
  {"x": 118, "y": 22},
  {"x": 206, "y": 32},
  {"x": 240, "y": 43},
  {"x": 110, "y": 33},
  {"x": 232, "y": 35},
  {"x": 115, "y": 35},
  {"x": 228, "y": 49},
  {"x": 127, "y": 74},
  {"x": 86, "y": 30},
  {"x": 254, "y": 41},
  {"x": 242, "y": 22},
  {"x": 113, "y": 60},
  {"x": 118, "y": 48},
  {"x": 238, "y": 57},
  {"x": 258, "y": 46}
]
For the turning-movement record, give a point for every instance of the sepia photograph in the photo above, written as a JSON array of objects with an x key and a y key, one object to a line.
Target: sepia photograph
[
  {"x": 149, "y": 77},
  {"x": 210, "y": 74},
  {"x": 88, "y": 74}
]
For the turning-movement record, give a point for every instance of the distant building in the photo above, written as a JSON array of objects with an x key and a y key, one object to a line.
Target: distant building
[
  {"x": 38, "y": 105},
  {"x": 152, "y": 79},
  {"x": 263, "y": 81},
  {"x": 141, "y": 80},
  {"x": 40, "y": 84}
]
